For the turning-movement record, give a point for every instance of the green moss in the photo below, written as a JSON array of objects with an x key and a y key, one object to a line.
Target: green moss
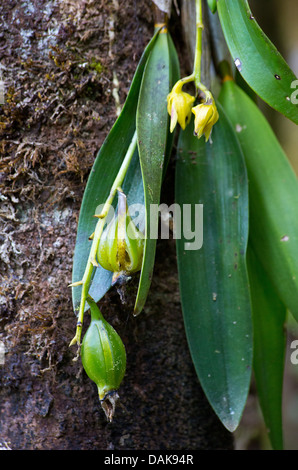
[{"x": 96, "y": 65}]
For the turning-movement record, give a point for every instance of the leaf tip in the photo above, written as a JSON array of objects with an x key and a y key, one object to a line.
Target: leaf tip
[{"x": 230, "y": 424}]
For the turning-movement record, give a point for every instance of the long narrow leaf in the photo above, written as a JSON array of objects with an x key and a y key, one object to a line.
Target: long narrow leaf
[
  {"x": 101, "y": 178},
  {"x": 154, "y": 145},
  {"x": 213, "y": 279},
  {"x": 256, "y": 58},
  {"x": 273, "y": 192},
  {"x": 269, "y": 316}
]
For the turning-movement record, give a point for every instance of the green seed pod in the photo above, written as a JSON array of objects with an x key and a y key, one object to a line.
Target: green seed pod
[
  {"x": 121, "y": 245},
  {"x": 103, "y": 358}
]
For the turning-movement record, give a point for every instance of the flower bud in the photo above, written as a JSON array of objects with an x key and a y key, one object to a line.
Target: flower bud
[
  {"x": 179, "y": 106},
  {"x": 103, "y": 358},
  {"x": 121, "y": 245},
  {"x": 206, "y": 115}
]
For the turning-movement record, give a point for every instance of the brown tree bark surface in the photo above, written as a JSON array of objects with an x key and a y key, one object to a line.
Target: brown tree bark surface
[{"x": 60, "y": 62}]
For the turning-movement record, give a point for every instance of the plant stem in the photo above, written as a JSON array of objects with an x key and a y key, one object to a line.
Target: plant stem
[
  {"x": 198, "y": 52},
  {"x": 188, "y": 79},
  {"x": 97, "y": 234},
  {"x": 196, "y": 74}
]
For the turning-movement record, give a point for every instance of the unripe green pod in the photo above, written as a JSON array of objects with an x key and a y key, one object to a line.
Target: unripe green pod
[
  {"x": 121, "y": 245},
  {"x": 103, "y": 358}
]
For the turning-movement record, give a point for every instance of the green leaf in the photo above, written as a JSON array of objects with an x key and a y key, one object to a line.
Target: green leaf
[
  {"x": 269, "y": 316},
  {"x": 273, "y": 193},
  {"x": 213, "y": 279},
  {"x": 154, "y": 144},
  {"x": 212, "y": 5},
  {"x": 101, "y": 178},
  {"x": 256, "y": 58},
  {"x": 174, "y": 77}
]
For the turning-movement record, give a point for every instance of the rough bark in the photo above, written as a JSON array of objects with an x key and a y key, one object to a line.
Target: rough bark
[{"x": 60, "y": 62}]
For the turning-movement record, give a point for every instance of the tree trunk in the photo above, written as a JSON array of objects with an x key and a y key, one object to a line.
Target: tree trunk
[{"x": 67, "y": 67}]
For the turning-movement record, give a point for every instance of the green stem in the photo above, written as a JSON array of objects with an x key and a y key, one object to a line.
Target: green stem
[
  {"x": 198, "y": 51},
  {"x": 178, "y": 85},
  {"x": 95, "y": 312},
  {"x": 196, "y": 74},
  {"x": 188, "y": 79},
  {"x": 97, "y": 234}
]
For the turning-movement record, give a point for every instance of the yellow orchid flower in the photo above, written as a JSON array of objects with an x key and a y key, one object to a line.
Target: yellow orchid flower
[
  {"x": 179, "y": 106},
  {"x": 206, "y": 115}
]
